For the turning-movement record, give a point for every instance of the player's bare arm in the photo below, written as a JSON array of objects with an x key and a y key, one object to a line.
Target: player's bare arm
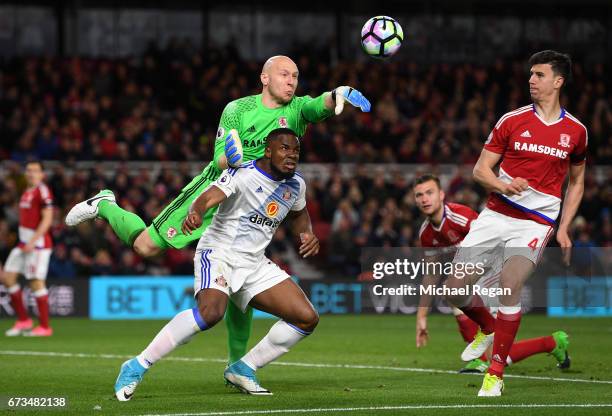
[
  {"x": 425, "y": 301},
  {"x": 484, "y": 175},
  {"x": 42, "y": 229},
  {"x": 301, "y": 228},
  {"x": 210, "y": 198},
  {"x": 573, "y": 196}
]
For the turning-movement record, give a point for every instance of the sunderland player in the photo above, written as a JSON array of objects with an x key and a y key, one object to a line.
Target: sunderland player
[
  {"x": 31, "y": 255},
  {"x": 230, "y": 264},
  {"x": 244, "y": 125},
  {"x": 538, "y": 145},
  {"x": 443, "y": 230}
]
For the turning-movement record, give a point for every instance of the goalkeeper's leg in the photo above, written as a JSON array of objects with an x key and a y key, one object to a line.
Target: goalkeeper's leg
[
  {"x": 238, "y": 330},
  {"x": 126, "y": 225}
]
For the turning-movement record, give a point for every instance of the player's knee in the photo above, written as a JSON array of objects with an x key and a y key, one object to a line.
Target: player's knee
[
  {"x": 308, "y": 320},
  {"x": 211, "y": 314},
  {"x": 144, "y": 247},
  {"x": 37, "y": 284},
  {"x": 8, "y": 279}
]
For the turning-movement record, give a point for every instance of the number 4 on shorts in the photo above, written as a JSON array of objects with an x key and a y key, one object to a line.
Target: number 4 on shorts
[{"x": 533, "y": 244}]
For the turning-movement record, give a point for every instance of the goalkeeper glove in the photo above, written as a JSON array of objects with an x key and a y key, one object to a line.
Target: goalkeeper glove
[
  {"x": 354, "y": 97},
  {"x": 233, "y": 149}
]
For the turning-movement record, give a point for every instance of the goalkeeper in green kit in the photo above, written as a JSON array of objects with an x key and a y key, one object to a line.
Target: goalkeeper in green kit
[{"x": 245, "y": 123}]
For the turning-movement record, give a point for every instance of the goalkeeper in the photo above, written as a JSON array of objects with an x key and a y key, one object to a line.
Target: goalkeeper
[{"x": 245, "y": 123}]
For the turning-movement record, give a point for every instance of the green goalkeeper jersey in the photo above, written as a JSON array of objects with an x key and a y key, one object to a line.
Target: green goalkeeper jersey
[{"x": 253, "y": 121}]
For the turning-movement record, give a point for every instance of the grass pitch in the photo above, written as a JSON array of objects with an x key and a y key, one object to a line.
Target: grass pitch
[{"x": 363, "y": 365}]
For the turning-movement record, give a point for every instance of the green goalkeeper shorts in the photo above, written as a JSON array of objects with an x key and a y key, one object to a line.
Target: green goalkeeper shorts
[{"x": 165, "y": 231}]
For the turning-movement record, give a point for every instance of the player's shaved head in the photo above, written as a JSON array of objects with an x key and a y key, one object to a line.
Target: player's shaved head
[
  {"x": 279, "y": 77},
  {"x": 277, "y": 61}
]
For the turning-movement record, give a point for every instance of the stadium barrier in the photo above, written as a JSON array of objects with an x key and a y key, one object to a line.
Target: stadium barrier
[
  {"x": 155, "y": 297},
  {"x": 579, "y": 297},
  {"x": 67, "y": 297}
]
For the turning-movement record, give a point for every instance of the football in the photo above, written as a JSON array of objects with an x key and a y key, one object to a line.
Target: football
[{"x": 381, "y": 37}]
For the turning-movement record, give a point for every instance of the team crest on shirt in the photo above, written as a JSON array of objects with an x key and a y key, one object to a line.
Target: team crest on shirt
[
  {"x": 564, "y": 140},
  {"x": 287, "y": 195},
  {"x": 272, "y": 209},
  {"x": 220, "y": 281},
  {"x": 282, "y": 121},
  {"x": 453, "y": 236},
  {"x": 171, "y": 233}
]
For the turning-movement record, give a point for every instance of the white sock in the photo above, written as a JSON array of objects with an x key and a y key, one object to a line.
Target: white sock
[
  {"x": 178, "y": 331},
  {"x": 14, "y": 289},
  {"x": 281, "y": 337},
  {"x": 40, "y": 292}
]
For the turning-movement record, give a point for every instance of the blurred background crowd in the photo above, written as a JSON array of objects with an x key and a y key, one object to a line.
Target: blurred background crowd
[{"x": 165, "y": 104}]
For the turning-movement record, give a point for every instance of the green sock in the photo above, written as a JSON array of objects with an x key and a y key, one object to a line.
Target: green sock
[
  {"x": 126, "y": 225},
  {"x": 238, "y": 330}
]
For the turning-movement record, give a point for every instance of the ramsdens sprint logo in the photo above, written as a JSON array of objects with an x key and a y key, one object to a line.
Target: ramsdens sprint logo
[
  {"x": 540, "y": 148},
  {"x": 264, "y": 221},
  {"x": 253, "y": 143}
]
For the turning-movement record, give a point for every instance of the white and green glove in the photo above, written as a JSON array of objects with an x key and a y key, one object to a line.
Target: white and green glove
[{"x": 350, "y": 94}]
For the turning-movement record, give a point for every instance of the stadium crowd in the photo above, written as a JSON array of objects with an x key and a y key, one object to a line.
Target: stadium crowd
[
  {"x": 165, "y": 106},
  {"x": 364, "y": 210}
]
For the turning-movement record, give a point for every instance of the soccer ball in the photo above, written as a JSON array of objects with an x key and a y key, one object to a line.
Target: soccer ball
[{"x": 381, "y": 37}]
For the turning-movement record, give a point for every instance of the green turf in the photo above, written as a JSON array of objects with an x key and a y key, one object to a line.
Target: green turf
[{"x": 174, "y": 387}]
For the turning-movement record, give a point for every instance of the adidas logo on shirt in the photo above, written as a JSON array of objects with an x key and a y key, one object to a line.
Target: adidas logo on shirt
[
  {"x": 251, "y": 129},
  {"x": 259, "y": 190},
  {"x": 526, "y": 134}
]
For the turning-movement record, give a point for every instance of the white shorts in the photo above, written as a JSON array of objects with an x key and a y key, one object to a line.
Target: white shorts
[
  {"x": 33, "y": 265},
  {"x": 494, "y": 238},
  {"x": 241, "y": 281}
]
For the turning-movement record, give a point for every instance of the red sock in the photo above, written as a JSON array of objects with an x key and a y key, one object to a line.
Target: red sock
[
  {"x": 18, "y": 305},
  {"x": 506, "y": 327},
  {"x": 467, "y": 327},
  {"x": 528, "y": 347},
  {"x": 43, "y": 310},
  {"x": 478, "y": 313}
]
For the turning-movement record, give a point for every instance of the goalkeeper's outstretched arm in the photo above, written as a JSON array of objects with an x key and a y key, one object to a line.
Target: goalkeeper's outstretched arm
[{"x": 332, "y": 102}]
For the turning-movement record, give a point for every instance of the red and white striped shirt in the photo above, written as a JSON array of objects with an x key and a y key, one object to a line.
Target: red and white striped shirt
[
  {"x": 452, "y": 230},
  {"x": 31, "y": 205},
  {"x": 539, "y": 152}
]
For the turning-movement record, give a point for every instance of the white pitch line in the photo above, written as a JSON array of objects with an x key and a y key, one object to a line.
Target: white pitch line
[
  {"x": 297, "y": 364},
  {"x": 379, "y": 408}
]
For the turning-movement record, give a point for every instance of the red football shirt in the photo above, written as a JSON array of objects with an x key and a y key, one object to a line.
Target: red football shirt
[
  {"x": 539, "y": 152},
  {"x": 455, "y": 225},
  {"x": 31, "y": 205}
]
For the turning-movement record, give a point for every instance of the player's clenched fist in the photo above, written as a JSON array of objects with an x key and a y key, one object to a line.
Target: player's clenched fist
[
  {"x": 515, "y": 187},
  {"x": 192, "y": 222},
  {"x": 310, "y": 244}
]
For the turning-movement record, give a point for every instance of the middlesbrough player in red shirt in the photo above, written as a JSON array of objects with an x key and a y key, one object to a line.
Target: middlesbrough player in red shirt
[
  {"x": 31, "y": 255},
  {"x": 537, "y": 146},
  {"x": 443, "y": 230}
]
